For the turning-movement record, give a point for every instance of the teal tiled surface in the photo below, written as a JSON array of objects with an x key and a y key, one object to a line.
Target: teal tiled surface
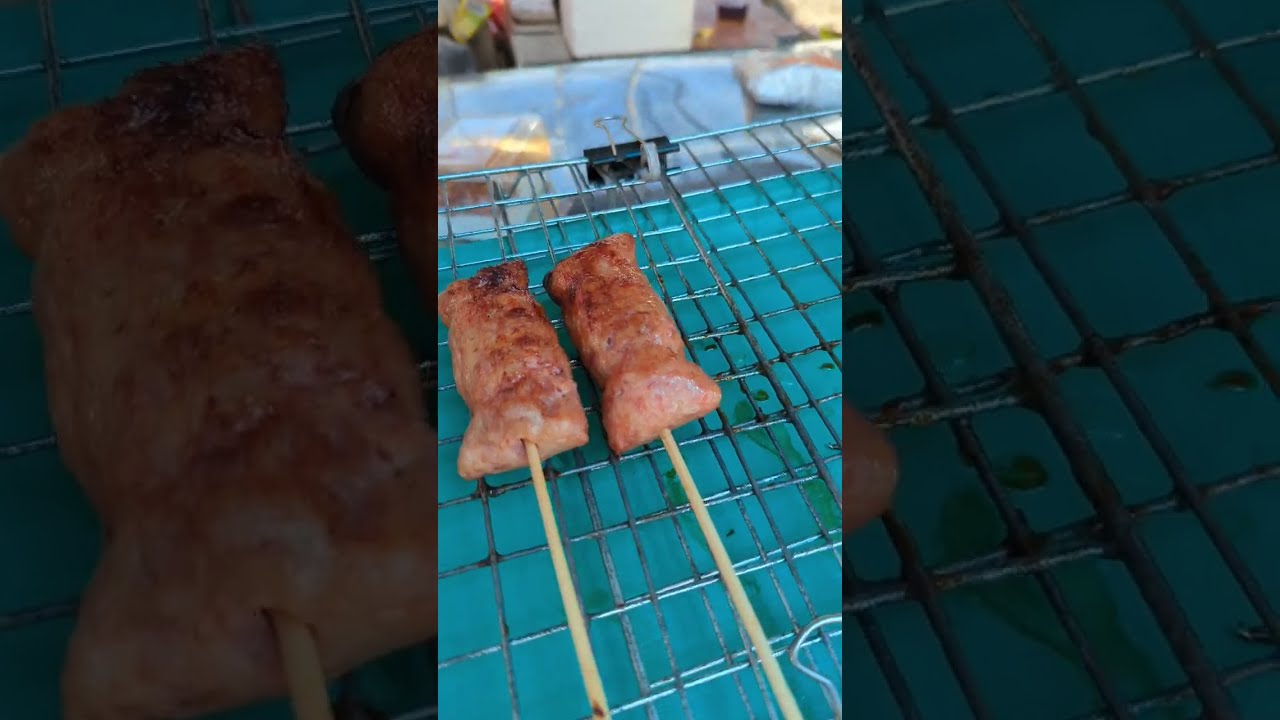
[{"x": 642, "y": 568}]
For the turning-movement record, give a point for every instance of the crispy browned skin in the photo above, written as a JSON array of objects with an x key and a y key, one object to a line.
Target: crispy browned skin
[
  {"x": 387, "y": 120},
  {"x": 629, "y": 344},
  {"x": 226, "y": 388},
  {"x": 870, "y": 471},
  {"x": 511, "y": 372}
]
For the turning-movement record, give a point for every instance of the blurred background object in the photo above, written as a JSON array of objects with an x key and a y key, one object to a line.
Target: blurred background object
[
  {"x": 520, "y": 67},
  {"x": 530, "y": 33}
]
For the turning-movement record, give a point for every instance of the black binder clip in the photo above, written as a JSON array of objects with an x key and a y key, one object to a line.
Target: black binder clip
[{"x": 643, "y": 159}]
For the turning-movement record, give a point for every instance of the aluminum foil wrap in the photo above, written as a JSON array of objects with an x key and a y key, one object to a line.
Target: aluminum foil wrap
[{"x": 697, "y": 100}]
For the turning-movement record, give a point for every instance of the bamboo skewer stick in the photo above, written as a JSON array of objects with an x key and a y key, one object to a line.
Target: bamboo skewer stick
[
  {"x": 302, "y": 669},
  {"x": 573, "y": 612},
  {"x": 738, "y": 596}
]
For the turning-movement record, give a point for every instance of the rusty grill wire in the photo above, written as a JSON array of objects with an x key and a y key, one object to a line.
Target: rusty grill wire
[{"x": 1034, "y": 381}]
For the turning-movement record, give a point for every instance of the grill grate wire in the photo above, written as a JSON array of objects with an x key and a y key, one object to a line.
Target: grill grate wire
[{"x": 692, "y": 272}]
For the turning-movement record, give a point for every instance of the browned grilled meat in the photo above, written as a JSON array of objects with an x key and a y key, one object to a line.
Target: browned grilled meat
[
  {"x": 226, "y": 388},
  {"x": 870, "y": 471},
  {"x": 511, "y": 372},
  {"x": 629, "y": 344},
  {"x": 387, "y": 120}
]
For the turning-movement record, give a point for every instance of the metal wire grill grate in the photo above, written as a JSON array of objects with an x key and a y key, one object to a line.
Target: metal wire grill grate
[
  {"x": 742, "y": 240},
  {"x": 54, "y": 54},
  {"x": 1099, "y": 239}
]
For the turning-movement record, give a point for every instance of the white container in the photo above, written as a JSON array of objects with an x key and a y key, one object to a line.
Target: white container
[
  {"x": 531, "y": 12},
  {"x": 609, "y": 28}
]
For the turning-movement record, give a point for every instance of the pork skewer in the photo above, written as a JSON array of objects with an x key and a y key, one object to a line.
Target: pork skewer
[
  {"x": 568, "y": 596},
  {"x": 633, "y": 351},
  {"x": 511, "y": 372},
  {"x": 387, "y": 120},
  {"x": 303, "y": 671},
  {"x": 629, "y": 344},
  {"x": 516, "y": 380},
  {"x": 224, "y": 385}
]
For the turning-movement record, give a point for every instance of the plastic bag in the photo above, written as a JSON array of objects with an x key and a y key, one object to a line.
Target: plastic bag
[
  {"x": 809, "y": 75},
  {"x": 469, "y": 204}
]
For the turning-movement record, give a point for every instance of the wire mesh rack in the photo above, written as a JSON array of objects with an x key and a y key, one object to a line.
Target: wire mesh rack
[
  {"x": 1061, "y": 294},
  {"x": 741, "y": 237},
  {"x": 72, "y": 51}
]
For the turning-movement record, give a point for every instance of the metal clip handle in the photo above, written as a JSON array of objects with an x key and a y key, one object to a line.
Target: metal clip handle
[
  {"x": 829, "y": 689},
  {"x": 603, "y": 124},
  {"x": 650, "y": 156}
]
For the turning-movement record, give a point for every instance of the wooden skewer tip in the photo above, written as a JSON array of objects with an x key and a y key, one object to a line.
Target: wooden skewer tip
[
  {"x": 737, "y": 595},
  {"x": 302, "y": 669},
  {"x": 572, "y": 610}
]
